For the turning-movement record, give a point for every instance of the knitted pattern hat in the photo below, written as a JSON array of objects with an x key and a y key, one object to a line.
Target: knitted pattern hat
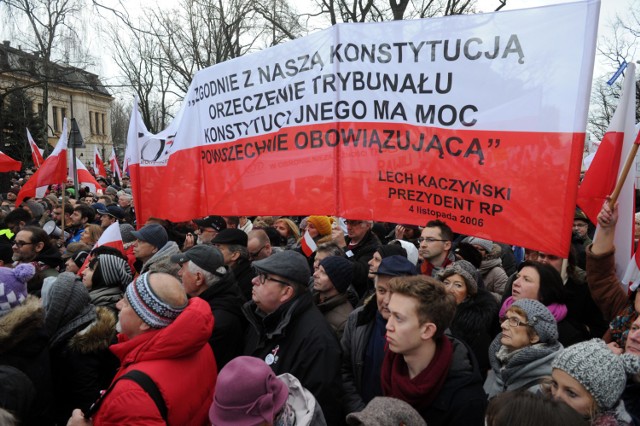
[
  {"x": 115, "y": 271},
  {"x": 600, "y": 371},
  {"x": 384, "y": 411},
  {"x": 321, "y": 223},
  {"x": 339, "y": 270},
  {"x": 540, "y": 318},
  {"x": 13, "y": 286},
  {"x": 485, "y": 244},
  {"x": 36, "y": 209},
  {"x": 126, "y": 232},
  {"x": 466, "y": 270},
  {"x": 149, "y": 307},
  {"x": 252, "y": 395}
]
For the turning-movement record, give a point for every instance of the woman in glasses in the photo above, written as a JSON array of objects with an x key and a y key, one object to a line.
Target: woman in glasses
[
  {"x": 521, "y": 355},
  {"x": 542, "y": 282}
]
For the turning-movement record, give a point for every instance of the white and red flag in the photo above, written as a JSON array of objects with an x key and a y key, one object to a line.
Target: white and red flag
[
  {"x": 98, "y": 164},
  {"x": 85, "y": 178},
  {"x": 308, "y": 245},
  {"x": 111, "y": 237},
  {"x": 113, "y": 163},
  {"x": 52, "y": 171},
  {"x": 36, "y": 153},
  {"x": 600, "y": 180},
  {"x": 8, "y": 164}
]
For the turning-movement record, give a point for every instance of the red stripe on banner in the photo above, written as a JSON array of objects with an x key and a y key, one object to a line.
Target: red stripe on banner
[{"x": 481, "y": 183}]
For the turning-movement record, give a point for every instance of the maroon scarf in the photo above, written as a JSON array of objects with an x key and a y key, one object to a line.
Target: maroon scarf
[{"x": 420, "y": 391}]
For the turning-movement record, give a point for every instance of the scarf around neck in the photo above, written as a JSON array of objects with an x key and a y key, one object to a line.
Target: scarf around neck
[{"x": 421, "y": 391}]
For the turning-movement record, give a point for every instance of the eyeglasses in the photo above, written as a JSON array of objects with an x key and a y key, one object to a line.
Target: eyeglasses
[
  {"x": 21, "y": 244},
  {"x": 580, "y": 225},
  {"x": 254, "y": 255},
  {"x": 429, "y": 240},
  {"x": 515, "y": 322},
  {"x": 263, "y": 278}
]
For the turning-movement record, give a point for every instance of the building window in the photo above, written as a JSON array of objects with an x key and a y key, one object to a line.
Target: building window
[
  {"x": 55, "y": 116},
  {"x": 104, "y": 124},
  {"x": 97, "y": 126},
  {"x": 93, "y": 131}
]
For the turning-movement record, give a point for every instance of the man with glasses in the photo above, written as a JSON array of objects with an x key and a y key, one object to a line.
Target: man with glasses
[
  {"x": 580, "y": 237},
  {"x": 208, "y": 228},
  {"x": 288, "y": 331},
  {"x": 435, "y": 247},
  {"x": 258, "y": 245},
  {"x": 33, "y": 245}
]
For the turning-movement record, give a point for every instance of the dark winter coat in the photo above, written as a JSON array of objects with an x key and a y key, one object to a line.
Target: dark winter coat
[
  {"x": 226, "y": 302},
  {"x": 473, "y": 324},
  {"x": 360, "y": 255},
  {"x": 244, "y": 274},
  {"x": 296, "y": 339},
  {"x": 24, "y": 345},
  {"x": 354, "y": 345},
  {"x": 82, "y": 365}
]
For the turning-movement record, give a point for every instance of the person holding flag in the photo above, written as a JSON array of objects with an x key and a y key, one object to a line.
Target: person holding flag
[{"x": 606, "y": 289}]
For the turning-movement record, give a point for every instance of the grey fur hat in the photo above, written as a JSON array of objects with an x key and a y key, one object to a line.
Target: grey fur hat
[
  {"x": 466, "y": 270},
  {"x": 384, "y": 411},
  {"x": 600, "y": 371},
  {"x": 540, "y": 318}
]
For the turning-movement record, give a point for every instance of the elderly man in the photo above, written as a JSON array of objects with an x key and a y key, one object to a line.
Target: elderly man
[
  {"x": 158, "y": 338},
  {"x": 153, "y": 248},
  {"x": 259, "y": 245},
  {"x": 208, "y": 228},
  {"x": 288, "y": 331},
  {"x": 363, "y": 342},
  {"x": 205, "y": 275}
]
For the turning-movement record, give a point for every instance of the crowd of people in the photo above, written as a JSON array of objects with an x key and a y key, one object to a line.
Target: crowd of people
[{"x": 227, "y": 320}]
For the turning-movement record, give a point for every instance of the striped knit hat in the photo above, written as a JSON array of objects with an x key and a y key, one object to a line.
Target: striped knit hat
[
  {"x": 113, "y": 271},
  {"x": 149, "y": 307}
]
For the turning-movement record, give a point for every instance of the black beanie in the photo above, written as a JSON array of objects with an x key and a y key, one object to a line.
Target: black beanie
[
  {"x": 391, "y": 250},
  {"x": 339, "y": 270}
]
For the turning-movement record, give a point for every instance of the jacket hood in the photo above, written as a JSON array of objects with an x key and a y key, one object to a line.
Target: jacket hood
[
  {"x": 21, "y": 324},
  {"x": 186, "y": 335},
  {"x": 96, "y": 336},
  {"x": 161, "y": 261}
]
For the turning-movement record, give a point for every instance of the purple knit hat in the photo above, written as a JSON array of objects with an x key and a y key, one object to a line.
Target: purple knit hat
[
  {"x": 13, "y": 286},
  {"x": 248, "y": 394}
]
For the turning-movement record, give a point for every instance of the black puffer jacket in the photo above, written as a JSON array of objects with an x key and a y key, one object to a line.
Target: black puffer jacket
[
  {"x": 473, "y": 324},
  {"x": 296, "y": 339}
]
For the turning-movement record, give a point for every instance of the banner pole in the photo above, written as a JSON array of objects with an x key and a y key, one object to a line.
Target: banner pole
[{"x": 625, "y": 171}]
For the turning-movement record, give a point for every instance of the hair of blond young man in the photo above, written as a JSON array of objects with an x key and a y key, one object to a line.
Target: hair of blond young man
[
  {"x": 435, "y": 304},
  {"x": 168, "y": 289}
]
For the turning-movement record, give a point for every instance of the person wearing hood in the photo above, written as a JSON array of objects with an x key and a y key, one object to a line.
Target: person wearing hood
[
  {"x": 253, "y": 395},
  {"x": 476, "y": 309},
  {"x": 204, "y": 275},
  {"x": 153, "y": 248},
  {"x": 25, "y": 372},
  {"x": 105, "y": 278},
  {"x": 80, "y": 335},
  {"x": 522, "y": 354},
  {"x": 493, "y": 275}
]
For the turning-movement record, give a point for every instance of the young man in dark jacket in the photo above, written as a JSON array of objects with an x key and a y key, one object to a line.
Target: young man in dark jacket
[{"x": 288, "y": 331}]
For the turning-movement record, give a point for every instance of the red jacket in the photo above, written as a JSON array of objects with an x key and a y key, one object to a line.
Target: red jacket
[{"x": 179, "y": 360}]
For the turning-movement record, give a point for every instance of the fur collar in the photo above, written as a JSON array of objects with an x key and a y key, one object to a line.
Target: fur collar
[
  {"x": 96, "y": 336},
  {"x": 20, "y": 324}
]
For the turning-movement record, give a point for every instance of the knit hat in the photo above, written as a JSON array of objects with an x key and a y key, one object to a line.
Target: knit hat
[
  {"x": 384, "y": 411},
  {"x": 114, "y": 271},
  {"x": 288, "y": 264},
  {"x": 387, "y": 250},
  {"x": 80, "y": 257},
  {"x": 321, "y": 223},
  {"x": 600, "y": 371},
  {"x": 36, "y": 209},
  {"x": 466, "y": 270},
  {"x": 540, "y": 318},
  {"x": 249, "y": 394},
  {"x": 339, "y": 270},
  {"x": 126, "y": 230},
  {"x": 13, "y": 286},
  {"x": 410, "y": 249},
  {"x": 487, "y": 245},
  {"x": 153, "y": 234},
  {"x": 396, "y": 266},
  {"x": 148, "y": 306}
]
